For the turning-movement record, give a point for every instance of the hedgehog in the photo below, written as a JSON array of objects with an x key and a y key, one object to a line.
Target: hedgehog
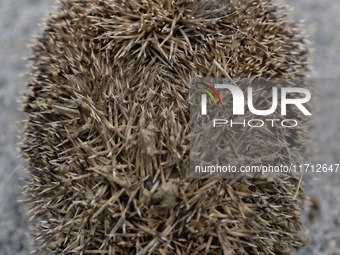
[{"x": 107, "y": 138}]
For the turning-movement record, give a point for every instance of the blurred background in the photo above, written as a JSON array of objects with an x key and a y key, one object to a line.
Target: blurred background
[{"x": 19, "y": 21}]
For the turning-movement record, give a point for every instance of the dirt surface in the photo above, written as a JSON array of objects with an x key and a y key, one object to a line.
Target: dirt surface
[{"x": 18, "y": 23}]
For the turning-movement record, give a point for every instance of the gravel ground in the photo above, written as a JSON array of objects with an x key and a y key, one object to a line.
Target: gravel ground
[{"x": 18, "y": 22}]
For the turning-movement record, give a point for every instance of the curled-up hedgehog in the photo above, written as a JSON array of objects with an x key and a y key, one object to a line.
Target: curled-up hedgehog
[{"x": 107, "y": 132}]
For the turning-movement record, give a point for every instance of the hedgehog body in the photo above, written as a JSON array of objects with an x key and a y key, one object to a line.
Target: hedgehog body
[{"x": 107, "y": 139}]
